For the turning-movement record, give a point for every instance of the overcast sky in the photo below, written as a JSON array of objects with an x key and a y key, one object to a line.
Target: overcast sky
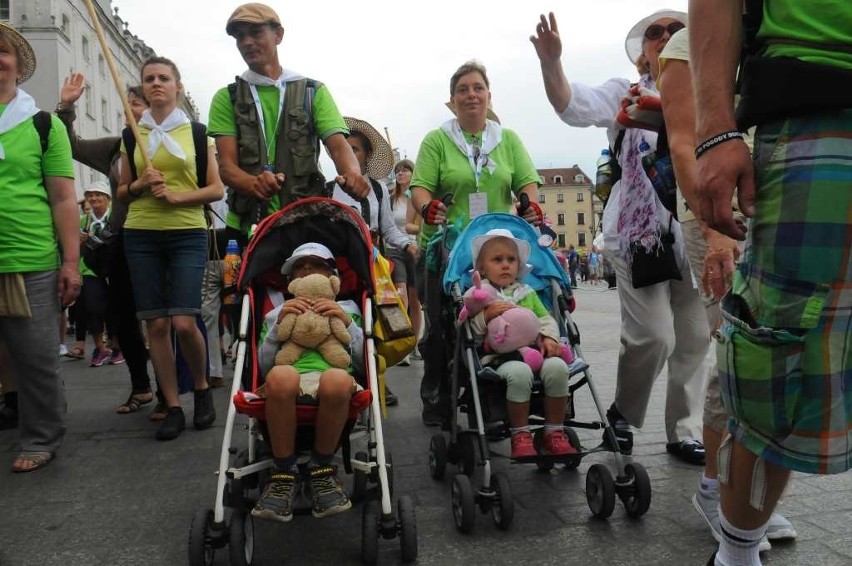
[{"x": 390, "y": 62}]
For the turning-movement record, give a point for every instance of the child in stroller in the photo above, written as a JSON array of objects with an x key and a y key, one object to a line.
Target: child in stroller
[
  {"x": 502, "y": 260},
  {"x": 310, "y": 378}
]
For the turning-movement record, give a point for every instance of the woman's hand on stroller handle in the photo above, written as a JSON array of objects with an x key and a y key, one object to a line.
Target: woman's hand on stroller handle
[
  {"x": 529, "y": 211},
  {"x": 435, "y": 211}
]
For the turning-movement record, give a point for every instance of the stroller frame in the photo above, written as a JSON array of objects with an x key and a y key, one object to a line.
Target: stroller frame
[{"x": 211, "y": 529}]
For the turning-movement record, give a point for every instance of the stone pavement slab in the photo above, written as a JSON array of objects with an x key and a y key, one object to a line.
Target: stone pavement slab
[{"x": 115, "y": 496}]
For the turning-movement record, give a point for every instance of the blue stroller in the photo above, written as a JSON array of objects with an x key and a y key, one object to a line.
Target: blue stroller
[{"x": 480, "y": 394}]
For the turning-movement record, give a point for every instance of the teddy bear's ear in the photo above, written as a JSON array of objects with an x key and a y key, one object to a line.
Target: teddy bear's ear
[{"x": 335, "y": 283}]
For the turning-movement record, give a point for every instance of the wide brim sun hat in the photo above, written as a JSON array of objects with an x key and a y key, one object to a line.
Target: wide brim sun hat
[
  {"x": 310, "y": 249},
  {"x": 490, "y": 114},
  {"x": 26, "y": 55},
  {"x": 381, "y": 162},
  {"x": 522, "y": 245},
  {"x": 98, "y": 187},
  {"x": 636, "y": 35}
]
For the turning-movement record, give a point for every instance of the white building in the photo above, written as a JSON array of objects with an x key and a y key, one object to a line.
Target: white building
[{"x": 64, "y": 41}]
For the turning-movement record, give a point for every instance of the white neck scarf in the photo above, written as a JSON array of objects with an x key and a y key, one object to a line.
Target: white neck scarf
[
  {"x": 257, "y": 79},
  {"x": 21, "y": 108},
  {"x": 160, "y": 132},
  {"x": 491, "y": 138}
]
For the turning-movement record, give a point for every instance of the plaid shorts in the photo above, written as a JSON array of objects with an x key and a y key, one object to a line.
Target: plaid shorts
[{"x": 785, "y": 347}]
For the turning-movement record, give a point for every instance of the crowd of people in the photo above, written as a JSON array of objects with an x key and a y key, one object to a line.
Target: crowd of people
[{"x": 774, "y": 400}]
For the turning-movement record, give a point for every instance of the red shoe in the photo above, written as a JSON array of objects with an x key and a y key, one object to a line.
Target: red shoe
[
  {"x": 556, "y": 444},
  {"x": 522, "y": 445}
]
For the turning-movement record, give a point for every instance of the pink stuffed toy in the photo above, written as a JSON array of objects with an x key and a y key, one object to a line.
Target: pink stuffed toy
[{"x": 513, "y": 331}]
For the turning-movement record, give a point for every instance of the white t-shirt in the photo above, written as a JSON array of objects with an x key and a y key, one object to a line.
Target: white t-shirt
[{"x": 390, "y": 232}]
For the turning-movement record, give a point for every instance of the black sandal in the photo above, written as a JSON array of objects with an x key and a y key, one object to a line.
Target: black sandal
[{"x": 133, "y": 403}]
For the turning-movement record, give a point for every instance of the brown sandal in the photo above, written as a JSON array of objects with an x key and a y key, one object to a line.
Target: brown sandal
[
  {"x": 37, "y": 460},
  {"x": 76, "y": 352},
  {"x": 133, "y": 403}
]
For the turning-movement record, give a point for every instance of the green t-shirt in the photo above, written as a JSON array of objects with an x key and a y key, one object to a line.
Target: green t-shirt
[
  {"x": 27, "y": 236},
  {"x": 150, "y": 213},
  {"x": 222, "y": 122},
  {"x": 818, "y": 31},
  {"x": 442, "y": 168}
]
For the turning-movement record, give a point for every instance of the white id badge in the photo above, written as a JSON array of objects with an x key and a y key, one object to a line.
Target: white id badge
[{"x": 477, "y": 204}]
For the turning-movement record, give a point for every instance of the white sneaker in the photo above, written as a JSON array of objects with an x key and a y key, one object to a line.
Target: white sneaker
[
  {"x": 63, "y": 350},
  {"x": 779, "y": 528},
  {"x": 707, "y": 505}
]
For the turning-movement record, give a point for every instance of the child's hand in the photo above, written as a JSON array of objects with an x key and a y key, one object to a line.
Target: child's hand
[
  {"x": 330, "y": 308},
  {"x": 550, "y": 348},
  {"x": 294, "y": 306},
  {"x": 496, "y": 309}
]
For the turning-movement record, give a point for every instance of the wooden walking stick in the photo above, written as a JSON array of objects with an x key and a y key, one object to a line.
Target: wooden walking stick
[{"x": 119, "y": 84}]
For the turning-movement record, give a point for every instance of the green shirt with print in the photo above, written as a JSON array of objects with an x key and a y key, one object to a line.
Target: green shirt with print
[
  {"x": 327, "y": 122},
  {"x": 28, "y": 238},
  {"x": 443, "y": 169},
  {"x": 818, "y": 31}
]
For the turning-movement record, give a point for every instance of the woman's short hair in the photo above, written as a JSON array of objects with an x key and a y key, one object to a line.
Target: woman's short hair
[
  {"x": 136, "y": 90},
  {"x": 403, "y": 164},
  {"x": 157, "y": 60},
  {"x": 472, "y": 66}
]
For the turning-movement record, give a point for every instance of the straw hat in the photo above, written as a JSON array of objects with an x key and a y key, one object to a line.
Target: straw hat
[
  {"x": 26, "y": 55},
  {"x": 490, "y": 114},
  {"x": 636, "y": 35},
  {"x": 381, "y": 162}
]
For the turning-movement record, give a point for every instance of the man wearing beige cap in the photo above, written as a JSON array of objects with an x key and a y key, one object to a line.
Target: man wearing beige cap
[{"x": 268, "y": 125}]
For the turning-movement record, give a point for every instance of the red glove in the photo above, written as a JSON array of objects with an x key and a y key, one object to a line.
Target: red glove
[
  {"x": 533, "y": 214},
  {"x": 434, "y": 212}
]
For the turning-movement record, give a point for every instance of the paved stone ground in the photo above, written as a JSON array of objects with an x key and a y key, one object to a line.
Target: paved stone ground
[{"x": 115, "y": 496}]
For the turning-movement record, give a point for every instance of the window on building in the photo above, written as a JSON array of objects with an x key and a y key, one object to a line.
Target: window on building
[
  {"x": 5, "y": 11},
  {"x": 560, "y": 197},
  {"x": 85, "y": 48},
  {"x": 66, "y": 24},
  {"x": 560, "y": 240},
  {"x": 581, "y": 218},
  {"x": 560, "y": 219},
  {"x": 101, "y": 65},
  {"x": 557, "y": 179},
  {"x": 579, "y": 197},
  {"x": 578, "y": 178},
  {"x": 541, "y": 199},
  {"x": 90, "y": 104},
  {"x": 105, "y": 114},
  {"x": 581, "y": 240}
]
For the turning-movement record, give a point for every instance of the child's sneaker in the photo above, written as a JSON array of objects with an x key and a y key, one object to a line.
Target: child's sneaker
[
  {"x": 116, "y": 358},
  {"x": 99, "y": 358},
  {"x": 329, "y": 497},
  {"x": 278, "y": 497},
  {"x": 556, "y": 444},
  {"x": 522, "y": 445}
]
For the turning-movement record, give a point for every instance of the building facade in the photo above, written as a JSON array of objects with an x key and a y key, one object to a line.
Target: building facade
[
  {"x": 566, "y": 197},
  {"x": 64, "y": 40}
]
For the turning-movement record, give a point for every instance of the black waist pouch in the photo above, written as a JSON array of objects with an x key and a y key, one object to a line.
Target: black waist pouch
[
  {"x": 652, "y": 267},
  {"x": 784, "y": 87}
]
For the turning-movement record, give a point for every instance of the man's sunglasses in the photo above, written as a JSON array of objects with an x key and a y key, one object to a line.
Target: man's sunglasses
[{"x": 656, "y": 31}]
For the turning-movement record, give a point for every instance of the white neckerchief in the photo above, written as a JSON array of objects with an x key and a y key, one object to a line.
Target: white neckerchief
[
  {"x": 95, "y": 222},
  {"x": 255, "y": 80},
  {"x": 21, "y": 108},
  {"x": 160, "y": 132},
  {"x": 492, "y": 135}
]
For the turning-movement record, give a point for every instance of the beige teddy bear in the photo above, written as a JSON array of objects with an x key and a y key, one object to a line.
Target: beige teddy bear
[{"x": 309, "y": 330}]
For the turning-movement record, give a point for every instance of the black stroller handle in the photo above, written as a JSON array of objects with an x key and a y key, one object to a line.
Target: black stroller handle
[{"x": 524, "y": 203}]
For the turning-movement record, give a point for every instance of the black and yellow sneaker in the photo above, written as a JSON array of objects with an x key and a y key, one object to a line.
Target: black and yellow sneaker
[
  {"x": 276, "y": 502},
  {"x": 329, "y": 497}
]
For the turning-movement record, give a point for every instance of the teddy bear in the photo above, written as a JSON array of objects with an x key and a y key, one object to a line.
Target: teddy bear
[
  {"x": 513, "y": 331},
  {"x": 309, "y": 330}
]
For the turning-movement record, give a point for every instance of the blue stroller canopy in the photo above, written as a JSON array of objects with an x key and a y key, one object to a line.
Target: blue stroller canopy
[{"x": 543, "y": 260}]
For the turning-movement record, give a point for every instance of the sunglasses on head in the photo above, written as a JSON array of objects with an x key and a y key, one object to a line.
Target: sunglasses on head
[{"x": 656, "y": 31}]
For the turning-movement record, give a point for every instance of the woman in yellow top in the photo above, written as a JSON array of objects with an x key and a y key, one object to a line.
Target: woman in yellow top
[{"x": 165, "y": 238}]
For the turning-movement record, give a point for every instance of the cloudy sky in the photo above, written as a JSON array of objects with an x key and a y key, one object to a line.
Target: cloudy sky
[{"x": 390, "y": 62}]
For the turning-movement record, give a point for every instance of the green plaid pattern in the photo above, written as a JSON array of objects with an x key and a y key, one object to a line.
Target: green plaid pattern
[{"x": 785, "y": 347}]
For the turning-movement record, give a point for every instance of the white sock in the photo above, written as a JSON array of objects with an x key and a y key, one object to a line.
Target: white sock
[
  {"x": 551, "y": 427},
  {"x": 739, "y": 547},
  {"x": 709, "y": 486},
  {"x": 515, "y": 431}
]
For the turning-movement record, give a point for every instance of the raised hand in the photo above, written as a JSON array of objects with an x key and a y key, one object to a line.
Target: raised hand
[
  {"x": 548, "y": 44},
  {"x": 72, "y": 89}
]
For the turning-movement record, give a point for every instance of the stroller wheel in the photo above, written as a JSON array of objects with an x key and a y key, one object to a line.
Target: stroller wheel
[
  {"x": 600, "y": 491},
  {"x": 241, "y": 539},
  {"x": 466, "y": 450},
  {"x": 464, "y": 505},
  {"x": 438, "y": 456},
  {"x": 574, "y": 439},
  {"x": 200, "y": 544},
  {"x": 407, "y": 529},
  {"x": 370, "y": 533},
  {"x": 359, "y": 480},
  {"x": 503, "y": 507},
  {"x": 636, "y": 496}
]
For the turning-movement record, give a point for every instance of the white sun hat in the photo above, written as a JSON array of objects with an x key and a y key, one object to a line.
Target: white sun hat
[
  {"x": 636, "y": 35},
  {"x": 522, "y": 245},
  {"x": 311, "y": 249}
]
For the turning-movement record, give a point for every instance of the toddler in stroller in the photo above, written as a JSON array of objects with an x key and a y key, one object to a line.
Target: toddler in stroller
[
  {"x": 502, "y": 260},
  {"x": 310, "y": 378}
]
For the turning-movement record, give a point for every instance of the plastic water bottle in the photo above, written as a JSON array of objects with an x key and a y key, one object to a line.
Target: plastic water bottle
[
  {"x": 603, "y": 178},
  {"x": 231, "y": 272}
]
